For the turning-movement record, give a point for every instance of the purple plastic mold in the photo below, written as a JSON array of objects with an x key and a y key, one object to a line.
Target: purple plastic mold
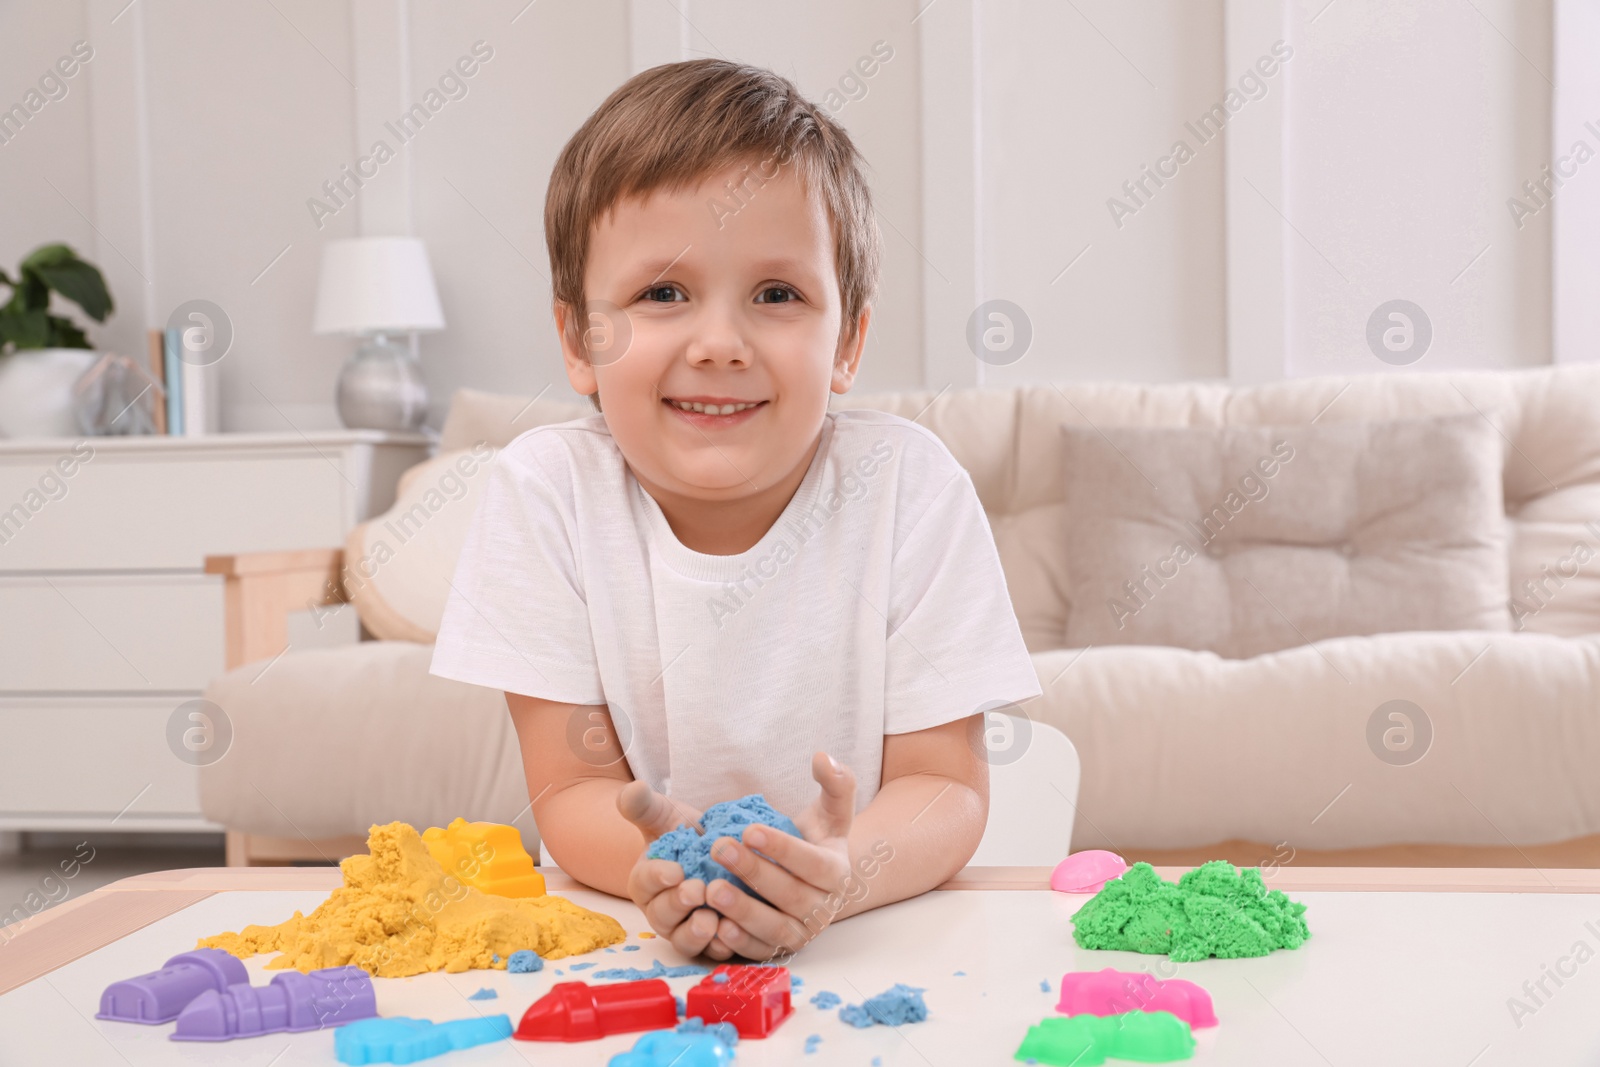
[
  {"x": 158, "y": 997},
  {"x": 293, "y": 1002}
]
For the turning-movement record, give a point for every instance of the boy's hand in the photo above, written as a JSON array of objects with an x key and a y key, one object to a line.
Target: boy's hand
[
  {"x": 797, "y": 880},
  {"x": 675, "y": 907}
]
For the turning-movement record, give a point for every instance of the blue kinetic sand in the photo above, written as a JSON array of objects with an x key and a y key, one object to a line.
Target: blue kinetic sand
[
  {"x": 669, "y": 1048},
  {"x": 657, "y": 969},
  {"x": 826, "y": 1000},
  {"x": 484, "y": 994},
  {"x": 580, "y": 966},
  {"x": 727, "y": 1033},
  {"x": 402, "y": 1040},
  {"x": 630, "y": 948},
  {"x": 812, "y": 1041},
  {"x": 692, "y": 851},
  {"x": 893, "y": 1007},
  {"x": 524, "y": 961}
]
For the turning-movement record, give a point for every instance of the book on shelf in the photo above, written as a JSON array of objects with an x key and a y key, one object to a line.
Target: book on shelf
[
  {"x": 156, "y": 342},
  {"x": 172, "y": 365}
]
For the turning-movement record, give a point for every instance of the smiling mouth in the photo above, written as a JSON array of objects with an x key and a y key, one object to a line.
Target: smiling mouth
[{"x": 719, "y": 410}]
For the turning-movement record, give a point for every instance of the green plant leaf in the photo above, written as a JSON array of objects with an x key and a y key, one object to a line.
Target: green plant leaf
[
  {"x": 64, "y": 333},
  {"x": 30, "y": 294},
  {"x": 25, "y": 329},
  {"x": 48, "y": 256},
  {"x": 80, "y": 283}
]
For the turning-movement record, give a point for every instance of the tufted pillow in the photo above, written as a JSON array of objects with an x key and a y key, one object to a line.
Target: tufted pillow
[{"x": 1243, "y": 540}]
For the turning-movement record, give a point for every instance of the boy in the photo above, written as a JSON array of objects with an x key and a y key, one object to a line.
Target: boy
[{"x": 686, "y": 595}]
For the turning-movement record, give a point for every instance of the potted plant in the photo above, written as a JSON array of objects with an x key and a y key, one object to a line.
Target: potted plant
[{"x": 41, "y": 354}]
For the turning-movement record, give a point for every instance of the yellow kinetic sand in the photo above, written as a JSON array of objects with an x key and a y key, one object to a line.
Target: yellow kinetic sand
[
  {"x": 398, "y": 913},
  {"x": 487, "y": 856}
]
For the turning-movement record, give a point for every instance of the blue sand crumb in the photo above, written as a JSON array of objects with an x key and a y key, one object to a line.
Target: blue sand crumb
[
  {"x": 877, "y": 1061},
  {"x": 628, "y": 948},
  {"x": 523, "y": 961},
  {"x": 683, "y": 1005},
  {"x": 608, "y": 949},
  {"x": 727, "y": 1033},
  {"x": 402, "y": 1040},
  {"x": 657, "y": 969},
  {"x": 720, "y": 979},
  {"x": 893, "y": 1007},
  {"x": 580, "y": 966},
  {"x": 826, "y": 1000},
  {"x": 560, "y": 971},
  {"x": 484, "y": 994},
  {"x": 691, "y": 850},
  {"x": 1044, "y": 985},
  {"x": 496, "y": 958},
  {"x": 961, "y": 974},
  {"x": 812, "y": 1042},
  {"x": 795, "y": 982}
]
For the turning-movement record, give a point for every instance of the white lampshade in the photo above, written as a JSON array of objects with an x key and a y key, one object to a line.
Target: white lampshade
[{"x": 371, "y": 284}]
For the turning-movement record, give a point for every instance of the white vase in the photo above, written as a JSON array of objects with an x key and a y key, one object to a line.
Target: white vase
[{"x": 36, "y": 391}]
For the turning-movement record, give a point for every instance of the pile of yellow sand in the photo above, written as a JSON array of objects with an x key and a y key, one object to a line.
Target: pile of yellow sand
[{"x": 398, "y": 913}]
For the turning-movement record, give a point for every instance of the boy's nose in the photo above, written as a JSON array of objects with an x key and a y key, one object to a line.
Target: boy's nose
[{"x": 716, "y": 340}]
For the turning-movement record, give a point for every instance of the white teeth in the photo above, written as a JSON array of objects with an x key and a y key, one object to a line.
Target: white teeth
[{"x": 709, "y": 409}]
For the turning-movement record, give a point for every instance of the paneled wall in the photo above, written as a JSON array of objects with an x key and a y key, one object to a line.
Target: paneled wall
[{"x": 1021, "y": 151}]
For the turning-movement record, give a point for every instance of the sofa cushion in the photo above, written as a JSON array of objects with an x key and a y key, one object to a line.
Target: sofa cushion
[
  {"x": 1248, "y": 539},
  {"x": 329, "y": 741},
  {"x": 1182, "y": 749}
]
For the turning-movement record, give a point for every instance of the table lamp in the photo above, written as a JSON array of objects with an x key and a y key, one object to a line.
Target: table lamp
[{"x": 375, "y": 288}]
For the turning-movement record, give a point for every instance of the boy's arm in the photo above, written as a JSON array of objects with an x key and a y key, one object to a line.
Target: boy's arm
[
  {"x": 927, "y": 818},
  {"x": 575, "y": 769}
]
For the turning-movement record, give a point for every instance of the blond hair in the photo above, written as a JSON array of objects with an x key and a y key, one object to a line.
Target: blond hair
[{"x": 672, "y": 126}]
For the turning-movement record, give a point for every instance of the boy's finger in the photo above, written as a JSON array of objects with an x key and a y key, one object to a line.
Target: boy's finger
[
  {"x": 837, "y": 805},
  {"x": 781, "y": 888},
  {"x": 735, "y": 937},
  {"x": 811, "y": 864},
  {"x": 762, "y": 922},
  {"x": 649, "y": 878},
  {"x": 691, "y": 936},
  {"x": 652, "y": 812}
]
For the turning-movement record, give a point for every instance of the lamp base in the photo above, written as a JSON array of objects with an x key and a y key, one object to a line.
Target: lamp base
[{"x": 381, "y": 388}]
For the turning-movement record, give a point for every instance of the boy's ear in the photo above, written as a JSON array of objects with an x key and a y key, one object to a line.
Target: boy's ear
[
  {"x": 580, "y": 372},
  {"x": 848, "y": 358}
]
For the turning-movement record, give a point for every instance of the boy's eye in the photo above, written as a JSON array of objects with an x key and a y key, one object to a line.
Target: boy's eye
[
  {"x": 776, "y": 294},
  {"x": 662, "y": 293}
]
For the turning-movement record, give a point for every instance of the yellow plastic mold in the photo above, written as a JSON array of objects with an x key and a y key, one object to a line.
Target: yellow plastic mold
[{"x": 487, "y": 856}]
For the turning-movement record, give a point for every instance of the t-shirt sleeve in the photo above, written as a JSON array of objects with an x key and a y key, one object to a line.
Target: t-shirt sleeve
[
  {"x": 515, "y": 617},
  {"x": 954, "y": 644}
]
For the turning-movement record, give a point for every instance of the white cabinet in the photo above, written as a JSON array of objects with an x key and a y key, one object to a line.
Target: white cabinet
[{"x": 108, "y": 623}]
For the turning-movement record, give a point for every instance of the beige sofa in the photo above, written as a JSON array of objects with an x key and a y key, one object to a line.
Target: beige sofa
[{"x": 1185, "y": 754}]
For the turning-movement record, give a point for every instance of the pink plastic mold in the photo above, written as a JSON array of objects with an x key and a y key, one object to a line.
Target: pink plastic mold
[
  {"x": 1086, "y": 872},
  {"x": 1113, "y": 992}
]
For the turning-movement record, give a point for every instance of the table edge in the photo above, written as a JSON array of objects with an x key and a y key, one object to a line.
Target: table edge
[{"x": 1287, "y": 878}]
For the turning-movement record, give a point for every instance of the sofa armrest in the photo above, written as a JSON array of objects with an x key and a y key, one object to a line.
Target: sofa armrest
[{"x": 260, "y": 589}]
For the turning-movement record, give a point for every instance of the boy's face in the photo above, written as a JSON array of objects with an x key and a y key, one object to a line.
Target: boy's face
[{"x": 690, "y": 304}]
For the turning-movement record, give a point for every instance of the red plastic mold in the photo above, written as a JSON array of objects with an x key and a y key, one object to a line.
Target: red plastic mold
[
  {"x": 754, "y": 999},
  {"x": 577, "y": 1011}
]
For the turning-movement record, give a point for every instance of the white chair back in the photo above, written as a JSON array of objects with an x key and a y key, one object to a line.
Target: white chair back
[{"x": 1033, "y": 793}]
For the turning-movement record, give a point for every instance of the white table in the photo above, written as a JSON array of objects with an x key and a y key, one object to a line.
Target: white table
[{"x": 1403, "y": 967}]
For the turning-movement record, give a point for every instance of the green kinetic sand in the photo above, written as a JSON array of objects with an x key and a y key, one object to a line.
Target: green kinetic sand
[
  {"x": 1085, "y": 1040},
  {"x": 1214, "y": 910}
]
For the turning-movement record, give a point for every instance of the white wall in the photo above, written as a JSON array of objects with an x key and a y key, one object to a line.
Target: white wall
[{"x": 1376, "y": 164}]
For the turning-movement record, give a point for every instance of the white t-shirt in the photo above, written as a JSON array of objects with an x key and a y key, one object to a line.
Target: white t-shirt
[{"x": 874, "y": 605}]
